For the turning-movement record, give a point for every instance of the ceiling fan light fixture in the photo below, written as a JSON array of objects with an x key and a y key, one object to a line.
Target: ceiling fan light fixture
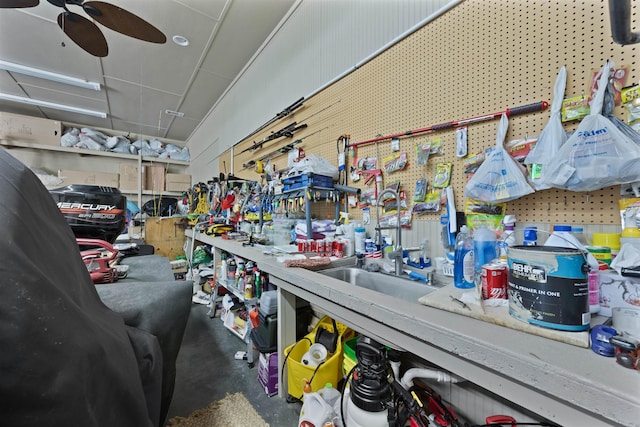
[
  {"x": 180, "y": 40},
  {"x": 53, "y": 105},
  {"x": 48, "y": 75}
]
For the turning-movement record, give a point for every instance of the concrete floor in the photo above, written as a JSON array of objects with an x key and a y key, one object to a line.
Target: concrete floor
[{"x": 207, "y": 371}]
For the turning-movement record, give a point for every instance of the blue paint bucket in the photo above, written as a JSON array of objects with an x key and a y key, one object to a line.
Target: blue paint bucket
[{"x": 548, "y": 287}]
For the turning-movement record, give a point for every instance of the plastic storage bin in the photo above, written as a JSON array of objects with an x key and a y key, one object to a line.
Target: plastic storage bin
[
  {"x": 328, "y": 372},
  {"x": 349, "y": 351}
]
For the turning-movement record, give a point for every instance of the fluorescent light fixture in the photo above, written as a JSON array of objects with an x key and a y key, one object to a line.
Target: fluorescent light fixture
[
  {"x": 47, "y": 75},
  {"x": 53, "y": 105}
]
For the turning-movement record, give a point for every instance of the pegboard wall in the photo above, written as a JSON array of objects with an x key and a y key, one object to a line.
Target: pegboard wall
[{"x": 480, "y": 57}]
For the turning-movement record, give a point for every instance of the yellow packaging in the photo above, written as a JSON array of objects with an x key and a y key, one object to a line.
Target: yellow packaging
[{"x": 629, "y": 208}]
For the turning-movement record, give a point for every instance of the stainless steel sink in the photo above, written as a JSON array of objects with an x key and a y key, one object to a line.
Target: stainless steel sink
[{"x": 387, "y": 284}]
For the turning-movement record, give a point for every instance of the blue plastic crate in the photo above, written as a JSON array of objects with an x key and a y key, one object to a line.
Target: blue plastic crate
[{"x": 305, "y": 180}]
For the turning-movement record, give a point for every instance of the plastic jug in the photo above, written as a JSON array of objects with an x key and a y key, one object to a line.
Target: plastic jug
[
  {"x": 360, "y": 236},
  {"x": 485, "y": 248},
  {"x": 330, "y": 394},
  {"x": 562, "y": 237},
  {"x": 315, "y": 410},
  {"x": 463, "y": 266}
]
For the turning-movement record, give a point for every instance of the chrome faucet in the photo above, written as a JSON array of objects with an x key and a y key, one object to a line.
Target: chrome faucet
[{"x": 396, "y": 254}]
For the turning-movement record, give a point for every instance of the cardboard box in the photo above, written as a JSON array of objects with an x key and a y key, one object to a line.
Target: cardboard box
[
  {"x": 154, "y": 178},
  {"x": 129, "y": 173},
  {"x": 103, "y": 179},
  {"x": 177, "y": 182},
  {"x": 268, "y": 373},
  {"x": 18, "y": 128},
  {"x": 618, "y": 291}
]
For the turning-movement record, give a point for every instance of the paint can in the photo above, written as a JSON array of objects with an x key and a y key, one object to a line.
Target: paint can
[{"x": 548, "y": 287}]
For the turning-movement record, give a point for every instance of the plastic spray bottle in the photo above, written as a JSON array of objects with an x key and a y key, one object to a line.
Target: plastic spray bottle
[
  {"x": 463, "y": 272},
  {"x": 509, "y": 236}
]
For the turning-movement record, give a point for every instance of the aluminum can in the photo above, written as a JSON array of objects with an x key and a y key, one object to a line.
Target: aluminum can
[{"x": 494, "y": 281}]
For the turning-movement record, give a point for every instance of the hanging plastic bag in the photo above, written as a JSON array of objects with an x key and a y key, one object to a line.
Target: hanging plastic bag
[
  {"x": 499, "y": 178},
  {"x": 598, "y": 154},
  {"x": 552, "y": 137}
]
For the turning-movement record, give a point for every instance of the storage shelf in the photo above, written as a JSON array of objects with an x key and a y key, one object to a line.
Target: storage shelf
[{"x": 84, "y": 152}]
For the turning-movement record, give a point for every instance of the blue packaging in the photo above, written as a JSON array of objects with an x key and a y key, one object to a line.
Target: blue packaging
[{"x": 530, "y": 236}]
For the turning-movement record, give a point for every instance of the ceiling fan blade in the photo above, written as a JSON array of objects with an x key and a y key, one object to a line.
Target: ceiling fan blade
[
  {"x": 84, "y": 33},
  {"x": 123, "y": 21},
  {"x": 15, "y": 4}
]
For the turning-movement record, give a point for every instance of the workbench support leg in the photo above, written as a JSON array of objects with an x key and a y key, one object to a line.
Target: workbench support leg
[{"x": 286, "y": 333}]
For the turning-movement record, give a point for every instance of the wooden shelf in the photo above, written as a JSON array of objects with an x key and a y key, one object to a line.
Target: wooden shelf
[{"x": 84, "y": 152}]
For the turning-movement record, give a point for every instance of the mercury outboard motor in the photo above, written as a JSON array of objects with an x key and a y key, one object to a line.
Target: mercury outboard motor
[{"x": 92, "y": 211}]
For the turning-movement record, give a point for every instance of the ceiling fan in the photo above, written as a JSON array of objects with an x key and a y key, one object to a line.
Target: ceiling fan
[{"x": 85, "y": 33}]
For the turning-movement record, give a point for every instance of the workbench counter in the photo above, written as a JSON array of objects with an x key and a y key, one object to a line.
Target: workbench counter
[{"x": 569, "y": 385}]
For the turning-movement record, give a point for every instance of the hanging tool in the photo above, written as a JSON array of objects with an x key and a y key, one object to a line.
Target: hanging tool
[
  {"x": 523, "y": 109},
  {"x": 287, "y": 131},
  {"x": 373, "y": 174},
  {"x": 341, "y": 147}
]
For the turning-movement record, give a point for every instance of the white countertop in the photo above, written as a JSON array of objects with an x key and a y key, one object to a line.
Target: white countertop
[{"x": 564, "y": 383}]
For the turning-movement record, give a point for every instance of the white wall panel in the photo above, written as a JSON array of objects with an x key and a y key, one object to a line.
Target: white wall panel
[{"x": 318, "y": 41}]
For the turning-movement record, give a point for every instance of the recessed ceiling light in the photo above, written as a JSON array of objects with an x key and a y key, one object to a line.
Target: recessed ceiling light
[{"x": 180, "y": 41}]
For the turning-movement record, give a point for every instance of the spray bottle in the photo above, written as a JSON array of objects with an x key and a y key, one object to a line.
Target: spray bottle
[
  {"x": 463, "y": 272},
  {"x": 509, "y": 236}
]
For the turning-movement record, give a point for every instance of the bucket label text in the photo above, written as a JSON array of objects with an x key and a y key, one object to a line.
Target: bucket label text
[{"x": 529, "y": 272}]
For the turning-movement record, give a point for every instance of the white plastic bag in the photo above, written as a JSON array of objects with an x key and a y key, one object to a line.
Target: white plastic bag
[
  {"x": 598, "y": 154},
  {"x": 314, "y": 164},
  {"x": 499, "y": 178},
  {"x": 552, "y": 137}
]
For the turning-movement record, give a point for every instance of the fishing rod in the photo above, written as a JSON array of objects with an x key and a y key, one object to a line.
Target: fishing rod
[
  {"x": 287, "y": 131},
  {"x": 288, "y": 110},
  {"x": 523, "y": 109},
  {"x": 282, "y": 150}
]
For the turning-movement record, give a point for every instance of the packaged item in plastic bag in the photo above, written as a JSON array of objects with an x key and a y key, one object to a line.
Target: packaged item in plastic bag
[
  {"x": 598, "y": 154},
  {"x": 552, "y": 137},
  {"x": 314, "y": 164},
  {"x": 499, "y": 178}
]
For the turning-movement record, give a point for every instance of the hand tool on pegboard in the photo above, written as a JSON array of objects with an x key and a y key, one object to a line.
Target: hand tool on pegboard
[{"x": 515, "y": 111}]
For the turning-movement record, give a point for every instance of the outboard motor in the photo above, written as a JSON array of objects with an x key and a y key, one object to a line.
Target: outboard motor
[{"x": 92, "y": 211}]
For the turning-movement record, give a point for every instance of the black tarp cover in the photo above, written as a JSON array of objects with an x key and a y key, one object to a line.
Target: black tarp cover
[{"x": 65, "y": 358}]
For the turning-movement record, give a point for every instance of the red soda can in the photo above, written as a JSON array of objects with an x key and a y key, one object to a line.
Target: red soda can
[
  {"x": 320, "y": 247},
  {"x": 494, "y": 281},
  {"x": 313, "y": 246},
  {"x": 301, "y": 245},
  {"x": 338, "y": 249}
]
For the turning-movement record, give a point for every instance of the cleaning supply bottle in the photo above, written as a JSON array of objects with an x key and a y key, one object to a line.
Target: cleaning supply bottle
[
  {"x": 530, "y": 237},
  {"x": 578, "y": 232},
  {"x": 463, "y": 273},
  {"x": 425, "y": 261},
  {"x": 360, "y": 236},
  {"x": 315, "y": 411},
  {"x": 485, "y": 248},
  {"x": 562, "y": 238},
  {"x": 329, "y": 394},
  {"x": 509, "y": 235}
]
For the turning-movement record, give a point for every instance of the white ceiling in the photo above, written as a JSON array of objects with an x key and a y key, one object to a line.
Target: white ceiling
[{"x": 140, "y": 80}]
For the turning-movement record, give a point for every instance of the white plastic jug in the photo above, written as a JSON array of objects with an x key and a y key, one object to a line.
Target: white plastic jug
[
  {"x": 315, "y": 410},
  {"x": 329, "y": 394}
]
